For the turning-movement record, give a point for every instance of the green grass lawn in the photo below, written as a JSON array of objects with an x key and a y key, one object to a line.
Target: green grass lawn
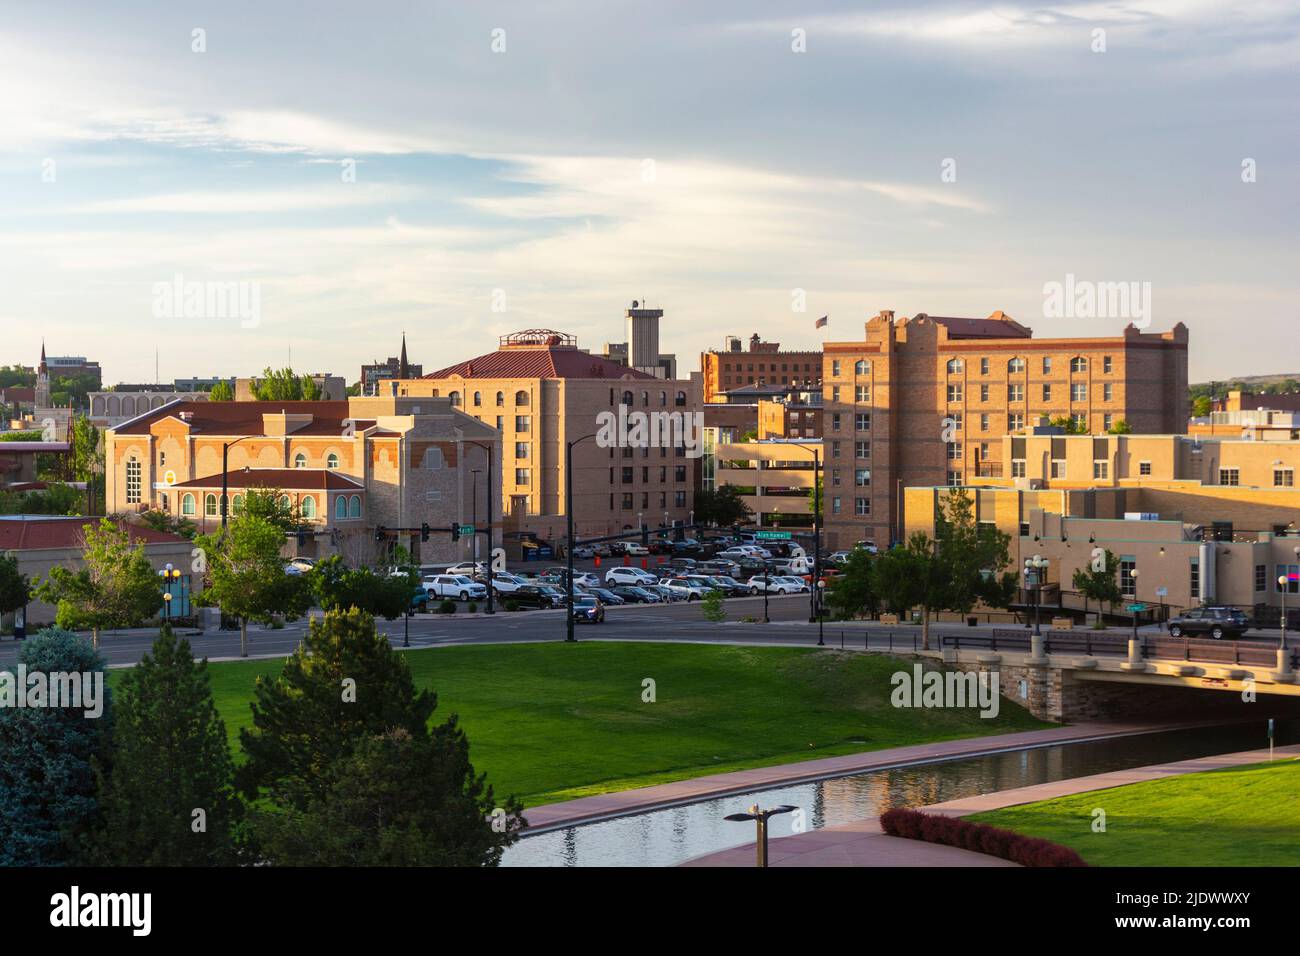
[
  {"x": 556, "y": 721},
  {"x": 1248, "y": 816}
]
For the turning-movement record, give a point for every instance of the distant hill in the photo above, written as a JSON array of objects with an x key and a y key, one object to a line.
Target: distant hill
[{"x": 1253, "y": 382}]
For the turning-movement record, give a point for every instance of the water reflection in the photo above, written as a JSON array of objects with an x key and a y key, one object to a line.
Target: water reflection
[{"x": 669, "y": 837}]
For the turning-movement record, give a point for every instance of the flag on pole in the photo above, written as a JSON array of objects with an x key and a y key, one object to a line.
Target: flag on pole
[{"x": 821, "y": 323}]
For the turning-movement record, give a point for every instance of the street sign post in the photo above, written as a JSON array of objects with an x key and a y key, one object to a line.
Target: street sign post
[
  {"x": 772, "y": 535},
  {"x": 465, "y": 529},
  {"x": 1137, "y": 607}
]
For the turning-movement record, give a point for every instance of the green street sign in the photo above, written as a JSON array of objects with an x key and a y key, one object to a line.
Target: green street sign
[
  {"x": 465, "y": 529},
  {"x": 772, "y": 535},
  {"x": 1137, "y": 607}
]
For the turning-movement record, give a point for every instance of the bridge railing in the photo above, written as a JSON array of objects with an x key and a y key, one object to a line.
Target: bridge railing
[{"x": 1155, "y": 646}]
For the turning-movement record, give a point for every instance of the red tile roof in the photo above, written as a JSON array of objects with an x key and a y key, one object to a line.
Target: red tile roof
[
  {"x": 539, "y": 362},
  {"x": 284, "y": 479},
  {"x": 245, "y": 418},
  {"x": 999, "y": 325},
  {"x": 51, "y": 533}
]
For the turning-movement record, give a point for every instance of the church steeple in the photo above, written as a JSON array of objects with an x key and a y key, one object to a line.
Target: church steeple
[
  {"x": 402, "y": 367},
  {"x": 42, "y": 381}
]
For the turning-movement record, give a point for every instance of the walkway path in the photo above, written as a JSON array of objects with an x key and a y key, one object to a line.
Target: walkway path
[
  {"x": 604, "y": 806},
  {"x": 863, "y": 843}
]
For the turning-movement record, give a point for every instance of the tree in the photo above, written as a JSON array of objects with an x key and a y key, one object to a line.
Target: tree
[
  {"x": 285, "y": 385},
  {"x": 245, "y": 575},
  {"x": 712, "y": 607},
  {"x": 853, "y": 592},
  {"x": 898, "y": 576},
  {"x": 88, "y": 459},
  {"x": 817, "y": 498},
  {"x": 723, "y": 506},
  {"x": 15, "y": 587},
  {"x": 1121, "y": 427},
  {"x": 162, "y": 521},
  {"x": 56, "y": 499},
  {"x": 274, "y": 506},
  {"x": 338, "y": 587},
  {"x": 48, "y": 759},
  {"x": 396, "y": 800},
  {"x": 221, "y": 392},
  {"x": 116, "y": 587},
  {"x": 168, "y": 800},
  {"x": 1099, "y": 581},
  {"x": 1070, "y": 426},
  {"x": 335, "y": 788}
]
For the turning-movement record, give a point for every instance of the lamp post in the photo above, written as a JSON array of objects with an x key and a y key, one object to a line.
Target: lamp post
[
  {"x": 568, "y": 547},
  {"x": 225, "y": 469},
  {"x": 1035, "y": 569},
  {"x": 821, "y": 622},
  {"x": 767, "y": 580},
  {"x": 490, "y": 595},
  {"x": 1134, "y": 642},
  {"x": 1283, "y": 659},
  {"x": 817, "y": 530},
  {"x": 760, "y": 818}
]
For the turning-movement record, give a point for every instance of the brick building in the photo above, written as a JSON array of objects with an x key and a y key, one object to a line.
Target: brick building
[
  {"x": 763, "y": 364},
  {"x": 923, "y": 401}
]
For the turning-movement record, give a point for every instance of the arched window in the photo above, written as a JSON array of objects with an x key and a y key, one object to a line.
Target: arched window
[
  {"x": 478, "y": 399},
  {"x": 340, "y": 507},
  {"x": 187, "y": 505},
  {"x": 331, "y": 460},
  {"x": 1078, "y": 364},
  {"x": 663, "y": 399},
  {"x": 681, "y": 399},
  {"x": 954, "y": 366},
  {"x": 1016, "y": 365},
  {"x": 210, "y": 505},
  {"x": 300, "y": 460},
  {"x": 354, "y": 506},
  {"x": 521, "y": 397},
  {"x": 645, "y": 399},
  {"x": 627, "y": 399},
  {"x": 309, "y": 506},
  {"x": 285, "y": 505},
  {"x": 501, "y": 399},
  {"x": 455, "y": 399},
  {"x": 861, "y": 367},
  {"x": 237, "y": 504}
]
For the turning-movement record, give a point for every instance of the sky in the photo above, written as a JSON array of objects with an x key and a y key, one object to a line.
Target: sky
[{"x": 461, "y": 171}]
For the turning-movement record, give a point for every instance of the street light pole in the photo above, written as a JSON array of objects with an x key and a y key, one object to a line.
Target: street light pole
[
  {"x": 568, "y": 547},
  {"x": 490, "y": 595},
  {"x": 225, "y": 475},
  {"x": 760, "y": 818}
]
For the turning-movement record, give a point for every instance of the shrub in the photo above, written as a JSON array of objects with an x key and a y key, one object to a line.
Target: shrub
[
  {"x": 472, "y": 607},
  {"x": 512, "y": 605},
  {"x": 448, "y": 606},
  {"x": 977, "y": 837}
]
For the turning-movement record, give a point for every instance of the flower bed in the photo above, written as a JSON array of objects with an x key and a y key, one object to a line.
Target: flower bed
[{"x": 977, "y": 837}]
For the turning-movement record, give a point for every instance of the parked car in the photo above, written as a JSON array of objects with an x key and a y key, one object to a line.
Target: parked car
[
  {"x": 454, "y": 586},
  {"x": 689, "y": 590},
  {"x": 707, "y": 583},
  {"x": 661, "y": 546},
  {"x": 606, "y": 596},
  {"x": 634, "y": 594},
  {"x": 302, "y": 564},
  {"x": 587, "y": 608},
  {"x": 798, "y": 583},
  {"x": 503, "y": 582},
  {"x": 682, "y": 565},
  {"x": 635, "y": 549},
  {"x": 628, "y": 576},
  {"x": 541, "y": 596},
  {"x": 584, "y": 551},
  {"x": 772, "y": 585},
  {"x": 1218, "y": 622},
  {"x": 420, "y": 600},
  {"x": 719, "y": 566},
  {"x": 468, "y": 568},
  {"x": 667, "y": 593}
]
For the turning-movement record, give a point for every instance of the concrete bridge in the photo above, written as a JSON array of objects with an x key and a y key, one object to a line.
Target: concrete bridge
[{"x": 1076, "y": 675}]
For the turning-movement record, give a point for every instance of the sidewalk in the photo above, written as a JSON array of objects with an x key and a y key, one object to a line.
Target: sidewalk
[{"x": 864, "y": 844}]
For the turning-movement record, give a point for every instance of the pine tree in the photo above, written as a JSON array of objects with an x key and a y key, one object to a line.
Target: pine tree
[
  {"x": 168, "y": 800},
  {"x": 48, "y": 760}
]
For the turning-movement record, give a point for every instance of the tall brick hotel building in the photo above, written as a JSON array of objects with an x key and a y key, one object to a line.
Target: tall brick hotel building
[{"x": 925, "y": 401}]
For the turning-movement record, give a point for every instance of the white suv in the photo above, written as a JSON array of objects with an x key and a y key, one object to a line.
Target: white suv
[
  {"x": 632, "y": 576},
  {"x": 454, "y": 586}
]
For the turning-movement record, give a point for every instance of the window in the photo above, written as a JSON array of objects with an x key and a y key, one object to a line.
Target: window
[
  {"x": 237, "y": 504},
  {"x": 1079, "y": 393},
  {"x": 984, "y": 422},
  {"x": 1107, "y": 422},
  {"x": 1261, "y": 577},
  {"x": 523, "y": 423},
  {"x": 1078, "y": 364},
  {"x": 501, "y": 399},
  {"x": 679, "y": 499},
  {"x": 308, "y": 506},
  {"x": 341, "y": 506},
  {"x": 835, "y": 449},
  {"x": 955, "y": 366},
  {"x": 1058, "y": 468},
  {"x": 521, "y": 449},
  {"x": 984, "y": 393},
  {"x": 187, "y": 505},
  {"x": 1127, "y": 583},
  {"x": 861, "y": 368},
  {"x": 1101, "y": 469},
  {"x": 835, "y": 368},
  {"x": 1079, "y": 422},
  {"x": 521, "y": 476},
  {"x": 627, "y": 501},
  {"x": 835, "y": 421},
  {"x": 433, "y": 458},
  {"x": 1015, "y": 393},
  {"x": 1229, "y": 476},
  {"x": 210, "y": 505},
  {"x": 1017, "y": 468},
  {"x": 300, "y": 460},
  {"x": 862, "y": 393},
  {"x": 1107, "y": 391},
  {"x": 861, "y": 506},
  {"x": 835, "y": 477},
  {"x": 681, "y": 400},
  {"x": 835, "y": 393},
  {"x": 954, "y": 479},
  {"x": 954, "y": 451},
  {"x": 954, "y": 393},
  {"x": 1015, "y": 421},
  {"x": 862, "y": 422},
  {"x": 1283, "y": 478},
  {"x": 835, "y": 505},
  {"x": 862, "y": 477},
  {"x": 1047, "y": 365},
  {"x": 285, "y": 504},
  {"x": 1194, "y": 578},
  {"x": 331, "y": 460},
  {"x": 679, "y": 473},
  {"x": 1144, "y": 468},
  {"x": 1047, "y": 392},
  {"x": 1016, "y": 365},
  {"x": 162, "y": 459},
  {"x": 862, "y": 449},
  {"x": 521, "y": 398},
  {"x": 1292, "y": 574},
  {"x": 354, "y": 506},
  {"x": 132, "y": 480},
  {"x": 1106, "y": 365},
  {"x": 455, "y": 399}
]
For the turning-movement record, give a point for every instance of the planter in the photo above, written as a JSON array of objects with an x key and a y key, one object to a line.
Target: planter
[{"x": 889, "y": 619}]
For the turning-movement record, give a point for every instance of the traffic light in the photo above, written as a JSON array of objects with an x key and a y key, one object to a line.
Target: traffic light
[
  {"x": 424, "y": 531},
  {"x": 379, "y": 533},
  {"x": 455, "y": 532}
]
